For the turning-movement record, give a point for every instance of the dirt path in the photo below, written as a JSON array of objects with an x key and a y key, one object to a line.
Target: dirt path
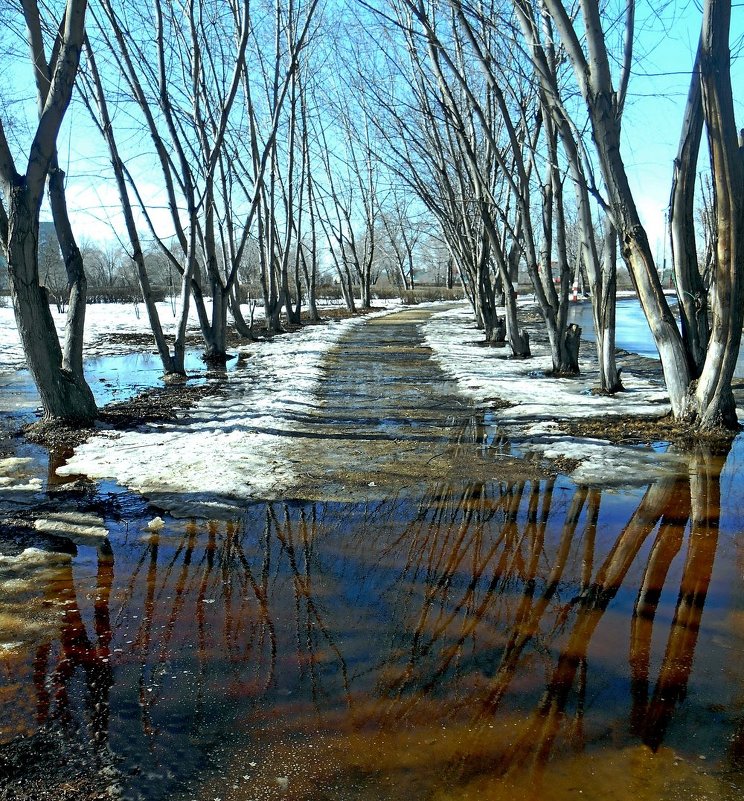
[{"x": 389, "y": 419}]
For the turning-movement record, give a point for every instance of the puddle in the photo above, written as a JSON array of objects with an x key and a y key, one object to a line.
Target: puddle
[
  {"x": 458, "y": 630},
  {"x": 112, "y": 378},
  {"x": 482, "y": 639}
]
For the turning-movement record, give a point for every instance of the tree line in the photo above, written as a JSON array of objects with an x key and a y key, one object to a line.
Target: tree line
[{"x": 302, "y": 135}]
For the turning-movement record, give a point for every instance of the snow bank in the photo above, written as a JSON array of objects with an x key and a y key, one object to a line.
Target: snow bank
[
  {"x": 485, "y": 373},
  {"x": 227, "y": 449},
  {"x": 541, "y": 403}
]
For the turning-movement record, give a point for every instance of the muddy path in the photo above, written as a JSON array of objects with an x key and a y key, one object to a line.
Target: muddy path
[{"x": 389, "y": 420}]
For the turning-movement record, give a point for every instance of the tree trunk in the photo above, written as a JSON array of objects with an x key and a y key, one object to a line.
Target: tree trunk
[
  {"x": 215, "y": 351},
  {"x": 241, "y": 326},
  {"x": 64, "y": 393},
  {"x": 365, "y": 289},
  {"x": 693, "y": 298},
  {"x": 604, "y": 106},
  {"x": 310, "y": 273},
  {"x": 347, "y": 288},
  {"x": 638, "y": 257},
  {"x": 604, "y": 309},
  {"x": 570, "y": 341},
  {"x": 713, "y": 398},
  {"x": 59, "y": 377},
  {"x": 519, "y": 342},
  {"x": 77, "y": 284},
  {"x": 496, "y": 331},
  {"x": 107, "y": 130}
]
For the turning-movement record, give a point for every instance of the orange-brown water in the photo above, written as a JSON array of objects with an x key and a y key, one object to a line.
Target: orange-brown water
[{"x": 490, "y": 640}]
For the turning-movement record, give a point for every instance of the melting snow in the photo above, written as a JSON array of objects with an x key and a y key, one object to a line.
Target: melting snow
[
  {"x": 227, "y": 448},
  {"x": 232, "y": 448},
  {"x": 80, "y": 528},
  {"x": 19, "y": 480},
  {"x": 485, "y": 373},
  {"x": 541, "y": 403}
]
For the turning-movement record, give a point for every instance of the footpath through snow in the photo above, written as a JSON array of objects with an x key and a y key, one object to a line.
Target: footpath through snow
[
  {"x": 238, "y": 446},
  {"x": 228, "y": 448}
]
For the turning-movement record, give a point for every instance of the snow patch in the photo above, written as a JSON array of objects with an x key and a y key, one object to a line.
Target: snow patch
[
  {"x": 483, "y": 373},
  {"x": 226, "y": 449},
  {"x": 80, "y": 528},
  {"x": 19, "y": 480},
  {"x": 606, "y": 464},
  {"x": 29, "y": 559},
  {"x": 541, "y": 403}
]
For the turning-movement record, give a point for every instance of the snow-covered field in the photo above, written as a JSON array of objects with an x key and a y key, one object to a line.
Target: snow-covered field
[{"x": 101, "y": 320}]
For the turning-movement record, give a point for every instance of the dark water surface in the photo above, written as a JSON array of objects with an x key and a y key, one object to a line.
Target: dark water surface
[{"x": 492, "y": 639}]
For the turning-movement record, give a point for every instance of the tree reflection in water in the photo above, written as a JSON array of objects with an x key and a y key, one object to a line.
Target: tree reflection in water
[{"x": 472, "y": 616}]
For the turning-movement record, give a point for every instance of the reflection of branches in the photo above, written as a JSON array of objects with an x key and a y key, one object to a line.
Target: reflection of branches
[
  {"x": 303, "y": 593},
  {"x": 78, "y": 651},
  {"x": 652, "y": 717},
  {"x": 142, "y": 641},
  {"x": 481, "y": 588},
  {"x": 537, "y": 740},
  {"x": 665, "y": 548},
  {"x": 467, "y": 571},
  {"x": 218, "y": 568},
  {"x": 456, "y": 532},
  {"x": 530, "y": 614}
]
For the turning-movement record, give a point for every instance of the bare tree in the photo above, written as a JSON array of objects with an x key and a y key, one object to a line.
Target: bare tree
[
  {"x": 57, "y": 372},
  {"x": 542, "y": 50},
  {"x": 173, "y": 363},
  {"x": 52, "y": 273},
  {"x": 403, "y": 235},
  {"x": 211, "y": 151},
  {"x": 708, "y": 401}
]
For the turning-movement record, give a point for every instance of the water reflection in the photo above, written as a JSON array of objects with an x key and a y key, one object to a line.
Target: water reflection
[
  {"x": 56, "y": 663},
  {"x": 489, "y": 637}
]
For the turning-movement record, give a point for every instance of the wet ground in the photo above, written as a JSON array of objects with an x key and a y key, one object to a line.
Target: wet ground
[{"x": 429, "y": 618}]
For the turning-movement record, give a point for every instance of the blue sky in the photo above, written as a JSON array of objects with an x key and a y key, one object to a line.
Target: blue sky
[{"x": 658, "y": 90}]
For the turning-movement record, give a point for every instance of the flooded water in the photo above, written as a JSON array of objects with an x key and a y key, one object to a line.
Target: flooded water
[
  {"x": 111, "y": 378},
  {"x": 473, "y": 632},
  {"x": 632, "y": 331}
]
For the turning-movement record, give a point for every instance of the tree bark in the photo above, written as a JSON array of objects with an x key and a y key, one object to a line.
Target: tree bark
[
  {"x": 713, "y": 397},
  {"x": 64, "y": 393},
  {"x": 604, "y": 308},
  {"x": 570, "y": 341},
  {"x": 691, "y": 292},
  {"x": 241, "y": 326},
  {"x": 59, "y": 377}
]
